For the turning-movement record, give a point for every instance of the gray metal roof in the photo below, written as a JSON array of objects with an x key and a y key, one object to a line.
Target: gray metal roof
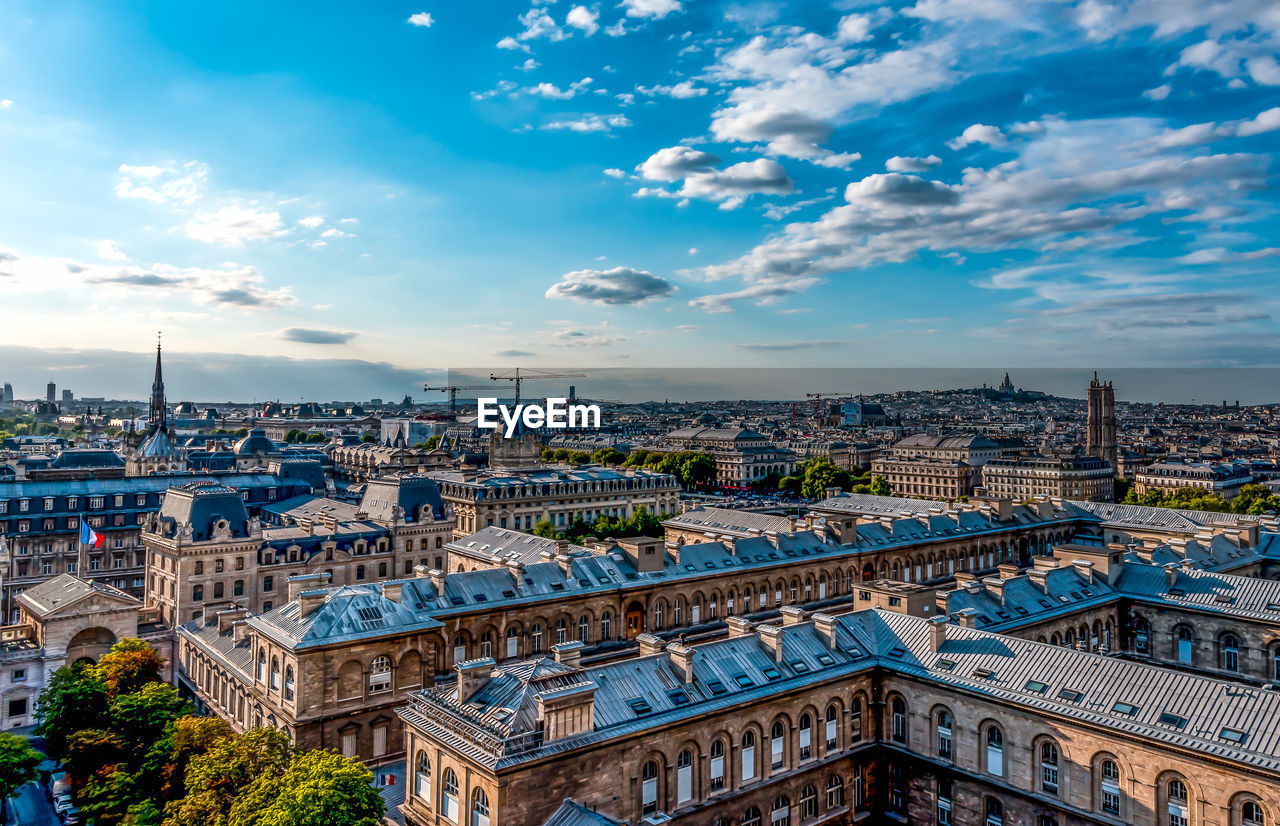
[
  {"x": 728, "y": 520},
  {"x": 348, "y": 612},
  {"x": 62, "y": 590},
  {"x": 572, "y": 813},
  {"x": 500, "y": 544}
]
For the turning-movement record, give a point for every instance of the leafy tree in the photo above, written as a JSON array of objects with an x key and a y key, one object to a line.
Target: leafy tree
[
  {"x": 188, "y": 738},
  {"x": 545, "y": 528},
  {"x": 433, "y": 441},
  {"x": 608, "y": 456},
  {"x": 819, "y": 474},
  {"x": 18, "y": 764},
  {"x": 790, "y": 484},
  {"x": 697, "y": 470},
  {"x": 320, "y": 788},
  {"x": 128, "y": 666},
  {"x": 215, "y": 779},
  {"x": 91, "y": 750},
  {"x": 74, "y": 700},
  {"x": 140, "y": 718}
]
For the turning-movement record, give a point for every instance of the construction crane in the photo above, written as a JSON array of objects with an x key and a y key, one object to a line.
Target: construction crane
[
  {"x": 517, "y": 376},
  {"x": 452, "y": 390},
  {"x": 817, "y": 402}
]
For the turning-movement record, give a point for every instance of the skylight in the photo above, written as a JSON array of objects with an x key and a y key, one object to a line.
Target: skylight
[
  {"x": 1070, "y": 695},
  {"x": 1036, "y": 686},
  {"x": 1122, "y": 707},
  {"x": 1232, "y": 735},
  {"x": 1172, "y": 720}
]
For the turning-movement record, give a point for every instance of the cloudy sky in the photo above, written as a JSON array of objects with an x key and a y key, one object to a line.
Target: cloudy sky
[{"x": 650, "y": 182}]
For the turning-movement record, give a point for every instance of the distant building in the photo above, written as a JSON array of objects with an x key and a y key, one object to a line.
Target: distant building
[
  {"x": 1101, "y": 432},
  {"x": 158, "y": 452},
  {"x": 68, "y": 397},
  {"x": 742, "y": 455},
  {"x": 1223, "y": 479},
  {"x": 1067, "y": 477},
  {"x": 51, "y": 392},
  {"x": 863, "y": 414},
  {"x": 938, "y": 467}
]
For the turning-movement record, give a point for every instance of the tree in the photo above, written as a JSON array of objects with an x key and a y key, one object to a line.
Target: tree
[
  {"x": 320, "y": 788},
  {"x": 74, "y": 700},
  {"x": 215, "y": 779},
  {"x": 608, "y": 456},
  {"x": 18, "y": 764},
  {"x": 128, "y": 666},
  {"x": 544, "y": 528},
  {"x": 819, "y": 475},
  {"x": 697, "y": 469}
]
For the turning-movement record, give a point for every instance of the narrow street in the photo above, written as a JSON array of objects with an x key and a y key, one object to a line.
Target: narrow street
[{"x": 31, "y": 808}]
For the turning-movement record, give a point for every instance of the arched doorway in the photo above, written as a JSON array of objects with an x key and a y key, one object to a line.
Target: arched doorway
[
  {"x": 90, "y": 644},
  {"x": 635, "y": 620}
]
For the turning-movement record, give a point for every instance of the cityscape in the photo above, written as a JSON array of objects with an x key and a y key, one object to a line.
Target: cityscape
[{"x": 693, "y": 412}]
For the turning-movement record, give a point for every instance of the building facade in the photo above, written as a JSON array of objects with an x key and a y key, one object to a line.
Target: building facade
[
  {"x": 1100, "y": 429},
  {"x": 1067, "y": 477}
]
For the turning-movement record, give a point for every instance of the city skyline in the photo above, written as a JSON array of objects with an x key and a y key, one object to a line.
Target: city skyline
[{"x": 654, "y": 182}]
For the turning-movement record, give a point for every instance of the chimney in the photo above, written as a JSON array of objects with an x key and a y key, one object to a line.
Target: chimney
[
  {"x": 996, "y": 587},
  {"x": 772, "y": 536},
  {"x": 568, "y": 653},
  {"x": 437, "y": 580},
  {"x": 306, "y": 582},
  {"x": 771, "y": 637},
  {"x": 968, "y": 617},
  {"x": 792, "y": 615},
  {"x": 650, "y": 644},
  {"x": 420, "y": 571},
  {"x": 1171, "y": 574},
  {"x": 825, "y": 626},
  {"x": 963, "y": 578},
  {"x": 472, "y": 675},
  {"x": 562, "y": 547},
  {"x": 391, "y": 590},
  {"x": 729, "y": 543},
  {"x": 239, "y": 630},
  {"x": 228, "y": 617},
  {"x": 1039, "y": 579},
  {"x": 566, "y": 565},
  {"x": 309, "y": 601},
  {"x": 937, "y": 632},
  {"x": 1188, "y": 564},
  {"x": 682, "y": 659},
  {"x": 1179, "y": 546},
  {"x": 1084, "y": 568},
  {"x": 739, "y": 626},
  {"x": 1007, "y": 570}
]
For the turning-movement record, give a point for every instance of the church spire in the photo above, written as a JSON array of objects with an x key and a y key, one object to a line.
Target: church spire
[{"x": 159, "y": 414}]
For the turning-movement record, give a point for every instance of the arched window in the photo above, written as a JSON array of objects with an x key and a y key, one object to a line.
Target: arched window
[
  {"x": 808, "y": 803},
  {"x": 995, "y": 751},
  {"x": 684, "y": 777},
  {"x": 835, "y": 791},
  {"x": 1109, "y": 798},
  {"x": 1229, "y": 645},
  {"x": 806, "y": 736},
  {"x": 459, "y": 648},
  {"x": 535, "y": 638},
  {"x": 562, "y": 631},
  {"x": 380, "y": 673},
  {"x": 748, "y": 756},
  {"x": 777, "y": 739},
  {"x": 288, "y": 683},
  {"x": 1049, "y": 767},
  {"x": 751, "y": 817},
  {"x": 422, "y": 778},
  {"x": 945, "y": 740},
  {"x": 649, "y": 788},
  {"x": 359, "y": 572},
  {"x": 717, "y": 765},
  {"x": 659, "y": 614},
  {"x": 855, "y": 720},
  {"x": 584, "y": 629},
  {"x": 262, "y": 665},
  {"x": 1251, "y": 814},
  {"x": 513, "y": 643},
  {"x": 1176, "y": 794},
  {"x": 899, "y": 720},
  {"x": 275, "y": 673},
  {"x": 677, "y": 611},
  {"x": 449, "y": 795},
  {"x": 995, "y": 812},
  {"x": 486, "y": 644},
  {"x": 606, "y": 623},
  {"x": 480, "y": 808},
  {"x": 1141, "y": 637},
  {"x": 1185, "y": 640},
  {"x": 833, "y": 728},
  {"x": 780, "y": 813}
]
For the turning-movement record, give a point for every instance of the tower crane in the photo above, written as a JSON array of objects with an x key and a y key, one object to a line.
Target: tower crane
[
  {"x": 452, "y": 390},
  {"x": 817, "y": 401},
  {"x": 517, "y": 376}
]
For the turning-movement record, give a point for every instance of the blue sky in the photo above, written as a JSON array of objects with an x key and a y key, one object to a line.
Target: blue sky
[{"x": 652, "y": 182}]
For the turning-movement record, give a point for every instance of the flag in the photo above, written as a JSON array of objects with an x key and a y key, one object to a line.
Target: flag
[{"x": 88, "y": 536}]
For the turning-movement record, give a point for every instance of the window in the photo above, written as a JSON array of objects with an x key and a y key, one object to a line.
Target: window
[
  {"x": 449, "y": 796},
  {"x": 513, "y": 643},
  {"x": 780, "y": 814},
  {"x": 944, "y": 802},
  {"x": 459, "y": 649},
  {"x": 751, "y": 817},
  {"x": 1251, "y": 814},
  {"x": 806, "y": 737},
  {"x": 777, "y": 738},
  {"x": 275, "y": 673},
  {"x": 268, "y": 584},
  {"x": 1185, "y": 641},
  {"x": 584, "y": 628},
  {"x": 1110, "y": 787},
  {"x": 684, "y": 777},
  {"x": 833, "y": 721},
  {"x": 197, "y": 593},
  {"x": 422, "y": 779},
  {"x": 808, "y": 803},
  {"x": 217, "y": 590},
  {"x": 835, "y": 791},
  {"x": 1230, "y": 647},
  {"x": 748, "y": 756},
  {"x": 18, "y": 707},
  {"x": 1141, "y": 637},
  {"x": 288, "y": 683},
  {"x": 262, "y": 666},
  {"x": 899, "y": 720},
  {"x": 480, "y": 808},
  {"x": 995, "y": 751},
  {"x": 535, "y": 638},
  {"x": 1176, "y": 792},
  {"x": 944, "y": 735},
  {"x": 380, "y": 674},
  {"x": 649, "y": 788},
  {"x": 659, "y": 611},
  {"x": 1049, "y": 768},
  {"x": 855, "y": 720},
  {"x": 605, "y": 622},
  {"x": 995, "y": 812},
  {"x": 717, "y": 766}
]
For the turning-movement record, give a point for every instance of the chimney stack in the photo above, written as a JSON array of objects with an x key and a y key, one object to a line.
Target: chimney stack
[
  {"x": 682, "y": 659},
  {"x": 437, "y": 580},
  {"x": 1171, "y": 574},
  {"x": 309, "y": 601},
  {"x": 568, "y": 653},
  {"x": 771, "y": 636},
  {"x": 650, "y": 644},
  {"x": 792, "y": 615},
  {"x": 391, "y": 590},
  {"x": 472, "y": 675},
  {"x": 937, "y": 632},
  {"x": 825, "y": 625},
  {"x": 739, "y": 626}
]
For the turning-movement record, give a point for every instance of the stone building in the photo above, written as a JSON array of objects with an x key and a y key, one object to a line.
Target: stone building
[
  {"x": 1221, "y": 479},
  {"x": 61, "y": 621},
  {"x": 867, "y": 717},
  {"x": 1100, "y": 430},
  {"x": 936, "y": 467},
  {"x": 158, "y": 452},
  {"x": 359, "y": 463},
  {"x": 1066, "y": 477},
  {"x": 520, "y": 499},
  {"x": 742, "y": 456}
]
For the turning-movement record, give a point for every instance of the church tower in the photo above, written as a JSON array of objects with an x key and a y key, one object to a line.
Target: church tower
[
  {"x": 158, "y": 414},
  {"x": 158, "y": 452},
  {"x": 1100, "y": 438}
]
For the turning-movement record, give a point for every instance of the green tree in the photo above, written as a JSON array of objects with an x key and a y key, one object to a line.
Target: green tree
[
  {"x": 433, "y": 441},
  {"x": 18, "y": 764},
  {"x": 128, "y": 666},
  {"x": 790, "y": 484},
  {"x": 319, "y": 788},
  {"x": 545, "y": 528},
  {"x": 698, "y": 469},
  {"x": 608, "y": 456},
  {"x": 215, "y": 779},
  {"x": 74, "y": 700}
]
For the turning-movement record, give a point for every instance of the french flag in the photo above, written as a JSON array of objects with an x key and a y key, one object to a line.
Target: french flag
[{"x": 88, "y": 536}]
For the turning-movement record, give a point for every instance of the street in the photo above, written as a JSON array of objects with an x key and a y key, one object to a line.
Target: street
[{"x": 31, "y": 808}]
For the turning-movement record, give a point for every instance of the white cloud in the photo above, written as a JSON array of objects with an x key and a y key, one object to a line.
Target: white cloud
[
  {"x": 978, "y": 133},
  {"x": 655, "y": 9},
  {"x": 854, "y": 28},
  {"x": 763, "y": 294},
  {"x": 620, "y": 285},
  {"x": 422, "y": 18},
  {"x": 311, "y": 221},
  {"x": 682, "y": 90},
  {"x": 538, "y": 24},
  {"x": 1158, "y": 93},
  {"x": 1202, "y": 133},
  {"x": 111, "y": 251},
  {"x": 235, "y": 224},
  {"x": 181, "y": 185},
  {"x": 615, "y": 173},
  {"x": 701, "y": 179},
  {"x": 510, "y": 42},
  {"x": 899, "y": 163},
  {"x": 529, "y": 65},
  {"x": 583, "y": 19},
  {"x": 553, "y": 92},
  {"x": 591, "y": 123}
]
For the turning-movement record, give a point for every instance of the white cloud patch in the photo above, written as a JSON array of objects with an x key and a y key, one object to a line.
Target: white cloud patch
[
  {"x": 110, "y": 251},
  {"x": 173, "y": 185},
  {"x": 620, "y": 285},
  {"x": 900, "y": 163},
  {"x": 1202, "y": 133},
  {"x": 615, "y": 173},
  {"x": 978, "y": 133},
  {"x": 590, "y": 123},
  {"x": 307, "y": 335},
  {"x": 583, "y": 19},
  {"x": 1158, "y": 93},
  {"x": 311, "y": 221},
  {"x": 234, "y": 224},
  {"x": 681, "y": 91},
  {"x": 651, "y": 9},
  {"x": 700, "y": 178},
  {"x": 422, "y": 19}
]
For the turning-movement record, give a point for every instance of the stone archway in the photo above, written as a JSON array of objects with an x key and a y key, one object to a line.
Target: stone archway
[{"x": 90, "y": 644}]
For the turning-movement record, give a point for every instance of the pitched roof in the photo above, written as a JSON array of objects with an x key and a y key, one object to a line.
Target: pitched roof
[{"x": 63, "y": 590}]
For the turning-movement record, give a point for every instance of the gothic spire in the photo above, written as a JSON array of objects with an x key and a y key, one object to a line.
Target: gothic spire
[{"x": 158, "y": 419}]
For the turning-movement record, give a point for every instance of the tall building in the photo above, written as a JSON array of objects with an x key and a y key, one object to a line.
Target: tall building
[
  {"x": 1101, "y": 438},
  {"x": 51, "y": 391},
  {"x": 67, "y": 396},
  {"x": 158, "y": 452},
  {"x": 7, "y": 396}
]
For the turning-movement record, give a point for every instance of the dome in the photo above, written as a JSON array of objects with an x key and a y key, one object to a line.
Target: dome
[{"x": 255, "y": 442}]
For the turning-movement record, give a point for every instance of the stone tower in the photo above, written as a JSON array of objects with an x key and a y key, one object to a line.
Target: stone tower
[{"x": 1101, "y": 435}]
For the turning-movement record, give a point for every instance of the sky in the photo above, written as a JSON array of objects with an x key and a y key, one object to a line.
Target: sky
[{"x": 323, "y": 200}]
